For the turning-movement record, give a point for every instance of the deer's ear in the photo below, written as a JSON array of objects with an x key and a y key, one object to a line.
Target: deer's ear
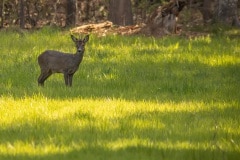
[
  {"x": 86, "y": 38},
  {"x": 74, "y": 38}
]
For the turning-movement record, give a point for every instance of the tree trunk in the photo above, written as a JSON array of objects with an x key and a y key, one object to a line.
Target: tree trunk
[
  {"x": 206, "y": 10},
  {"x": 71, "y": 12},
  {"x": 163, "y": 20},
  {"x": 2, "y": 13},
  {"x": 77, "y": 13},
  {"x": 226, "y": 12},
  {"x": 120, "y": 12},
  {"x": 21, "y": 14}
]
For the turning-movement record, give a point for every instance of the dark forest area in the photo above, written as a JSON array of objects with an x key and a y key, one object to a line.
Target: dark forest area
[
  {"x": 30, "y": 14},
  {"x": 37, "y": 13}
]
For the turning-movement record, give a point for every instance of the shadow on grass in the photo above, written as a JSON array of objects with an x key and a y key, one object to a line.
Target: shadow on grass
[
  {"x": 184, "y": 135},
  {"x": 129, "y": 153}
]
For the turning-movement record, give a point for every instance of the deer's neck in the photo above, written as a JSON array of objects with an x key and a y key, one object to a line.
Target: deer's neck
[{"x": 79, "y": 56}]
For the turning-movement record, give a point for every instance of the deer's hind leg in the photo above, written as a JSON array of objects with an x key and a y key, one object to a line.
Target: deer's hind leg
[{"x": 43, "y": 76}]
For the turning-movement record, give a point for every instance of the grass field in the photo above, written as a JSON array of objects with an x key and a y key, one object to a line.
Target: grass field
[{"x": 132, "y": 98}]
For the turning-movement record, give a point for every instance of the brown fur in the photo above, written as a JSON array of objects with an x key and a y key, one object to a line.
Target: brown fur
[{"x": 52, "y": 61}]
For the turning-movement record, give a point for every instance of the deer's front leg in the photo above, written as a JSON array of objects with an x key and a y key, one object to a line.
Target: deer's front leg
[{"x": 68, "y": 79}]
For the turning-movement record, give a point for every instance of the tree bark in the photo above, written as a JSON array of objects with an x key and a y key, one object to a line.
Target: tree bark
[
  {"x": 2, "y": 13},
  {"x": 21, "y": 14},
  {"x": 226, "y": 12},
  {"x": 163, "y": 20},
  {"x": 206, "y": 10},
  {"x": 217, "y": 11},
  {"x": 120, "y": 12},
  {"x": 71, "y": 12}
]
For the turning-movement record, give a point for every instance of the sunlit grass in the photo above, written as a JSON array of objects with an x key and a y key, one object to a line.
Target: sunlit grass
[
  {"x": 46, "y": 126},
  {"x": 43, "y": 124},
  {"x": 132, "y": 98}
]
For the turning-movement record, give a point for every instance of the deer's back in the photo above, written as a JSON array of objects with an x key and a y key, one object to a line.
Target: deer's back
[{"x": 58, "y": 61}]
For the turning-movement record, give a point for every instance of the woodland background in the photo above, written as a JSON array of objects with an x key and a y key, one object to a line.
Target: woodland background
[{"x": 70, "y": 13}]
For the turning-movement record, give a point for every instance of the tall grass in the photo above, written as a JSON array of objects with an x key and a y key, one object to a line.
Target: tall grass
[{"x": 132, "y": 98}]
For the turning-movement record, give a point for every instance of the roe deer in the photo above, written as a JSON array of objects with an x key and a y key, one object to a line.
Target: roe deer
[{"x": 52, "y": 61}]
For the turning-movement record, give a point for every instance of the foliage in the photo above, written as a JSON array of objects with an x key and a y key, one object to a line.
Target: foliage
[
  {"x": 132, "y": 98},
  {"x": 37, "y": 15}
]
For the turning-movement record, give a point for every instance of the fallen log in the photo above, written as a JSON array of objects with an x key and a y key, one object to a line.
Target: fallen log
[
  {"x": 92, "y": 27},
  {"x": 107, "y": 27}
]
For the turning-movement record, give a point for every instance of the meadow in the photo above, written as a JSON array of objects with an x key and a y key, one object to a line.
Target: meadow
[{"x": 133, "y": 97}]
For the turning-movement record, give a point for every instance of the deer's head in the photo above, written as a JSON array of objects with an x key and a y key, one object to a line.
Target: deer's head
[{"x": 80, "y": 43}]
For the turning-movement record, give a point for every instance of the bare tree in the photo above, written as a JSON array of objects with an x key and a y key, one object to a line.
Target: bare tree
[
  {"x": 70, "y": 12},
  {"x": 2, "y": 13},
  {"x": 120, "y": 12},
  {"x": 21, "y": 14},
  {"x": 206, "y": 10}
]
